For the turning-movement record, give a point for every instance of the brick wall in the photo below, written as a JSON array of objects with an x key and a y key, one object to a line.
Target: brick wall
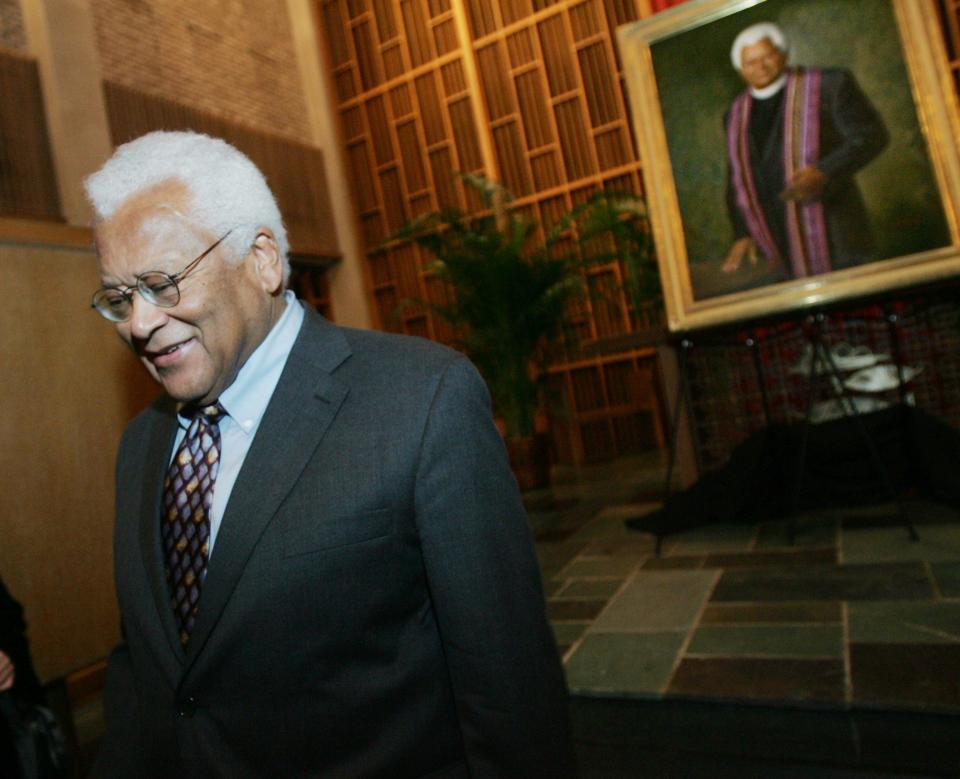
[
  {"x": 231, "y": 58},
  {"x": 11, "y": 26}
]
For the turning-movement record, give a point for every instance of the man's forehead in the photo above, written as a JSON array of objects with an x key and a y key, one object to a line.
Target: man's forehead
[
  {"x": 762, "y": 45},
  {"x": 171, "y": 194},
  {"x": 145, "y": 214},
  {"x": 151, "y": 228}
]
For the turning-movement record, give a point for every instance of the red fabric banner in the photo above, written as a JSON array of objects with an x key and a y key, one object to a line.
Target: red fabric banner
[{"x": 663, "y": 5}]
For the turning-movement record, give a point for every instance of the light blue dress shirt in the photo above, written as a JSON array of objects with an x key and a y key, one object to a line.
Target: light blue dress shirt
[{"x": 245, "y": 402}]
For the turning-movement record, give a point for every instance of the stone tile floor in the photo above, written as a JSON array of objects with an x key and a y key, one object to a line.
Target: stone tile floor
[{"x": 853, "y": 615}]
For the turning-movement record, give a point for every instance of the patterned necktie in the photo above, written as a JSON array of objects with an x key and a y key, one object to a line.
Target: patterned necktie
[{"x": 185, "y": 526}]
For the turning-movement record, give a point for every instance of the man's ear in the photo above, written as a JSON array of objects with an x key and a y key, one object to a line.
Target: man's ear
[{"x": 268, "y": 263}]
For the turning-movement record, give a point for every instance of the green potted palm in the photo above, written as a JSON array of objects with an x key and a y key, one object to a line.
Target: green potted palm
[{"x": 509, "y": 296}]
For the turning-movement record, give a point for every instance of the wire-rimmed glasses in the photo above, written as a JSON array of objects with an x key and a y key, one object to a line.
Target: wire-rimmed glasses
[{"x": 156, "y": 287}]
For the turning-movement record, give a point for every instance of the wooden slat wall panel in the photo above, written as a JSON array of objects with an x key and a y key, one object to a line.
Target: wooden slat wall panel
[
  {"x": 379, "y": 132},
  {"x": 480, "y": 14},
  {"x": 465, "y": 135},
  {"x": 493, "y": 73},
  {"x": 557, "y": 56},
  {"x": 441, "y": 165},
  {"x": 532, "y": 96},
  {"x": 28, "y": 185},
  {"x": 513, "y": 166},
  {"x": 410, "y": 153},
  {"x": 445, "y": 36},
  {"x": 607, "y": 406},
  {"x": 514, "y": 10},
  {"x": 313, "y": 286},
  {"x": 535, "y": 109},
  {"x": 429, "y": 100},
  {"x": 585, "y": 20},
  {"x": 418, "y": 41},
  {"x": 386, "y": 19},
  {"x": 454, "y": 81},
  {"x": 950, "y": 21}
]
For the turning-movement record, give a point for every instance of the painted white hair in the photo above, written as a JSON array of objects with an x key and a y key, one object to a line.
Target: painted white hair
[
  {"x": 754, "y": 34},
  {"x": 228, "y": 191}
]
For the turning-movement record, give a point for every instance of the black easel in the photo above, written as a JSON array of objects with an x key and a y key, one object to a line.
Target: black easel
[
  {"x": 684, "y": 347},
  {"x": 683, "y": 350},
  {"x": 820, "y": 354}
]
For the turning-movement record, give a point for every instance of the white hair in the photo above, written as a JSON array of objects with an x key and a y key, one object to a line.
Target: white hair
[
  {"x": 754, "y": 34},
  {"x": 228, "y": 191}
]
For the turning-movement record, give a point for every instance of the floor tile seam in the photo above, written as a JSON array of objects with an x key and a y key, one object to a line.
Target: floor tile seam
[
  {"x": 573, "y": 560},
  {"x": 583, "y": 513},
  {"x": 771, "y": 625},
  {"x": 576, "y": 598},
  {"x": 701, "y": 550},
  {"x": 785, "y": 624},
  {"x": 766, "y": 602},
  {"x": 838, "y": 542},
  {"x": 644, "y": 631},
  {"x": 937, "y": 592},
  {"x": 847, "y": 660},
  {"x": 615, "y": 693},
  {"x": 691, "y": 630},
  {"x": 595, "y": 578},
  {"x": 616, "y": 594},
  {"x": 756, "y": 538},
  {"x": 891, "y": 642},
  {"x": 758, "y": 656},
  {"x": 574, "y": 646},
  {"x": 566, "y": 575}
]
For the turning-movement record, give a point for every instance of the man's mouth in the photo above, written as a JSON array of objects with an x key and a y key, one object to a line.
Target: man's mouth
[{"x": 164, "y": 358}]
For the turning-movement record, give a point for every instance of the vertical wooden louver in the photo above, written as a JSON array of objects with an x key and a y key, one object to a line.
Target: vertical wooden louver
[
  {"x": 28, "y": 184},
  {"x": 528, "y": 92}
]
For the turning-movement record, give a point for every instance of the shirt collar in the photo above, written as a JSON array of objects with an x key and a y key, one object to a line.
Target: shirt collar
[
  {"x": 246, "y": 399},
  {"x": 770, "y": 89}
]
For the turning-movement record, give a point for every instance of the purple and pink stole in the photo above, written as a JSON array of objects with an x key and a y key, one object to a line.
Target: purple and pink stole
[{"x": 806, "y": 227}]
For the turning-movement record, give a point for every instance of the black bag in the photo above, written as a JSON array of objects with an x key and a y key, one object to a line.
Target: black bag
[{"x": 38, "y": 739}]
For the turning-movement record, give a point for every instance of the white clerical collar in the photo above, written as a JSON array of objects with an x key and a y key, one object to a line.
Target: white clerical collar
[{"x": 770, "y": 89}]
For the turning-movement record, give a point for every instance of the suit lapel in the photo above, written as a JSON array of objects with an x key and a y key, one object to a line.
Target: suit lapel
[
  {"x": 303, "y": 405},
  {"x": 151, "y": 548}
]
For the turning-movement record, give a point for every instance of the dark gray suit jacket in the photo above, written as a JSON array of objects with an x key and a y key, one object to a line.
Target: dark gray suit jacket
[{"x": 372, "y": 606}]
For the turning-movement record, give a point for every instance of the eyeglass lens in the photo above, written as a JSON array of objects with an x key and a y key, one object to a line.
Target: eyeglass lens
[{"x": 157, "y": 288}]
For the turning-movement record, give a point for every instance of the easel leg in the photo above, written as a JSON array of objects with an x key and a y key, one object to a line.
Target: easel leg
[
  {"x": 814, "y": 344},
  {"x": 868, "y": 443},
  {"x": 821, "y": 354},
  {"x": 894, "y": 332},
  {"x": 753, "y": 345},
  {"x": 682, "y": 367}
]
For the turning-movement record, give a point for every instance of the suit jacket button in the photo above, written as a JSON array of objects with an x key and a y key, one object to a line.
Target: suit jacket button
[{"x": 187, "y": 708}]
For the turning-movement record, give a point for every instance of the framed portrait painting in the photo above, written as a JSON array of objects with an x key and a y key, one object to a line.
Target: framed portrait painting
[{"x": 814, "y": 162}]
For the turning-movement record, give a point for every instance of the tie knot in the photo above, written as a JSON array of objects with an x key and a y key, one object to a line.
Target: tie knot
[{"x": 212, "y": 413}]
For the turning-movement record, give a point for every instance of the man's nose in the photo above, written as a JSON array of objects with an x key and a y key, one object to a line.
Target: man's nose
[{"x": 145, "y": 317}]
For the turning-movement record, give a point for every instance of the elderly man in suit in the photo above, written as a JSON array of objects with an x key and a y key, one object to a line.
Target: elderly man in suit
[
  {"x": 323, "y": 566},
  {"x": 795, "y": 139}
]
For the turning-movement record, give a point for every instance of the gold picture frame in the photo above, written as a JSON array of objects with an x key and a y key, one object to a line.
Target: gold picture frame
[{"x": 673, "y": 57}]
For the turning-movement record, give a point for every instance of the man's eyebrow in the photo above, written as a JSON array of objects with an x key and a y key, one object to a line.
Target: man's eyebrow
[{"x": 108, "y": 283}]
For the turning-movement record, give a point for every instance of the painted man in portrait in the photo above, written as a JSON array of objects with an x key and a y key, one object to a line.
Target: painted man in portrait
[{"x": 795, "y": 139}]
